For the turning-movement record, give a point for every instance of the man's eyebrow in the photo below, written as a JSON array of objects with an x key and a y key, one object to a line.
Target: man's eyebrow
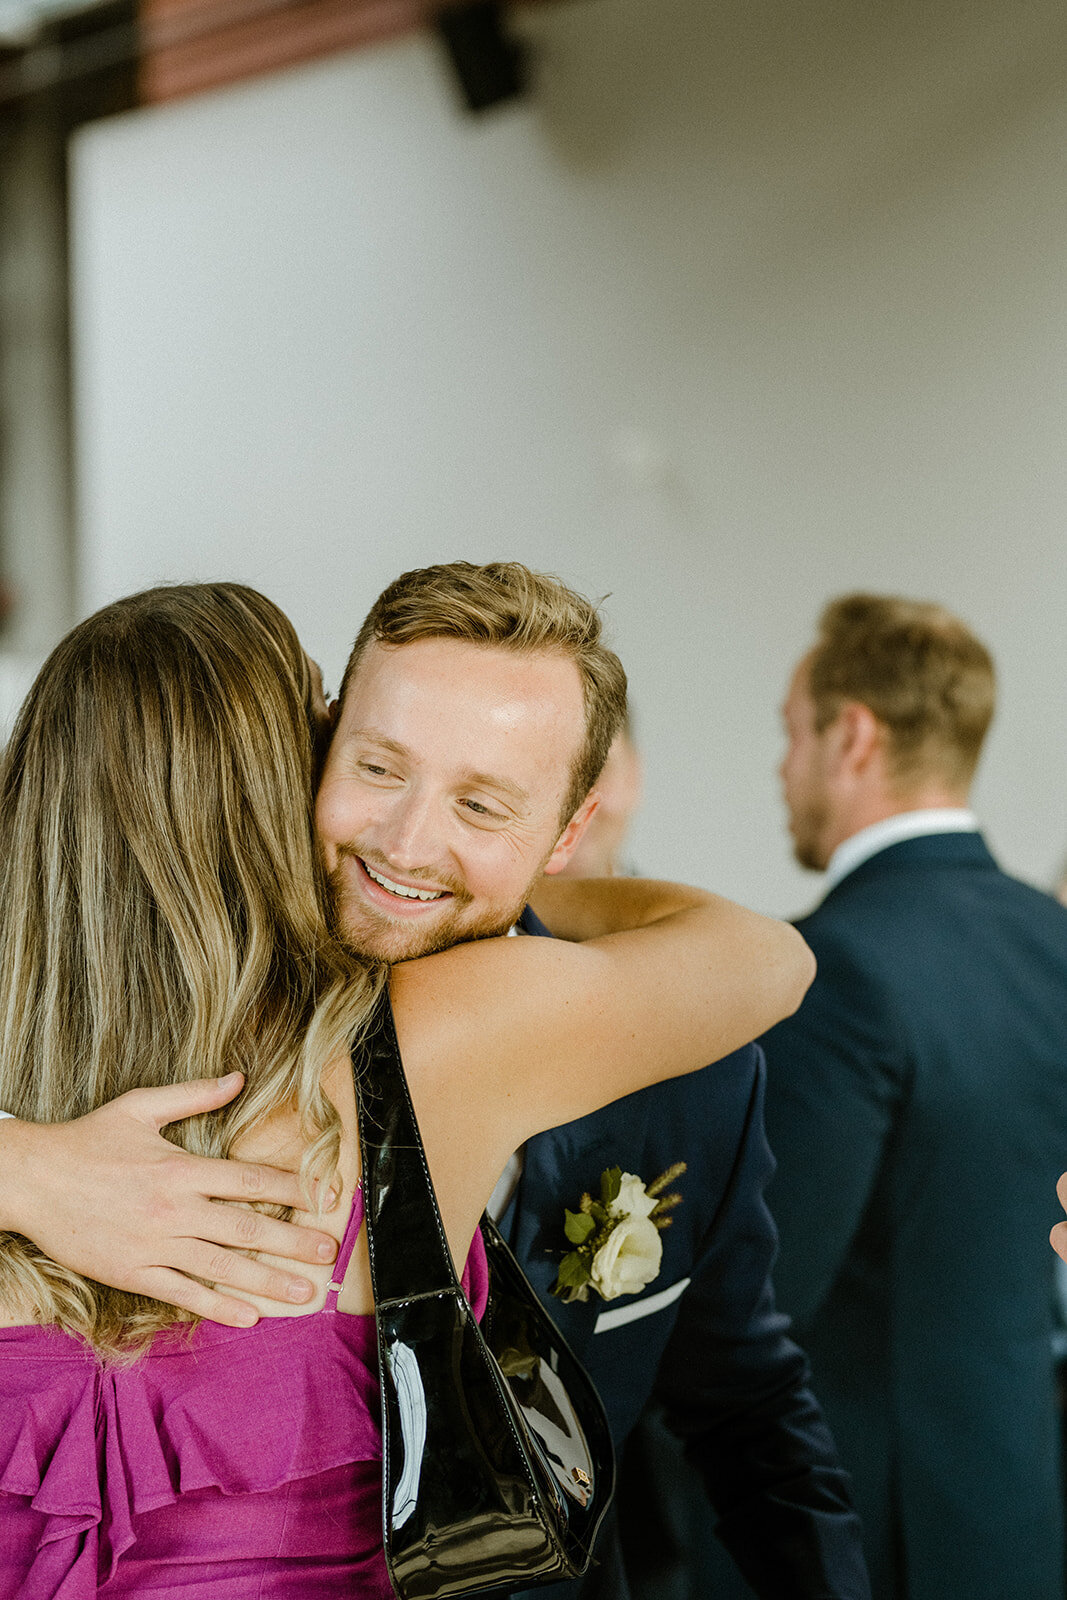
[{"x": 380, "y": 740}]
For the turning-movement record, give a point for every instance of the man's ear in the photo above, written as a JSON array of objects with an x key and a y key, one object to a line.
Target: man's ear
[
  {"x": 858, "y": 737},
  {"x": 568, "y": 840},
  {"x": 333, "y": 711}
]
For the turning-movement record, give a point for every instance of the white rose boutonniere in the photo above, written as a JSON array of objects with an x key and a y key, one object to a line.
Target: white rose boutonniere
[
  {"x": 629, "y": 1258},
  {"x": 616, "y": 1237}
]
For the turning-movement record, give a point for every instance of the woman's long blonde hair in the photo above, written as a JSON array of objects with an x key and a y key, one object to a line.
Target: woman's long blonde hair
[{"x": 162, "y": 912}]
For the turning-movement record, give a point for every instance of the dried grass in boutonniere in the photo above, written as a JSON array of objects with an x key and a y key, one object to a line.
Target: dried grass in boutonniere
[{"x": 617, "y": 1248}]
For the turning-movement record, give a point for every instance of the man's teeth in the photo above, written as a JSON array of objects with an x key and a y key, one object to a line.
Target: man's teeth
[{"x": 398, "y": 888}]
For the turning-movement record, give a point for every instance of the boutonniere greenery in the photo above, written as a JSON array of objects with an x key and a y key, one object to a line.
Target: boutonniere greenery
[{"x": 616, "y": 1237}]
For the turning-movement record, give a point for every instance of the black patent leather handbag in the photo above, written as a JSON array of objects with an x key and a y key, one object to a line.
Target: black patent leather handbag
[{"x": 498, "y": 1465}]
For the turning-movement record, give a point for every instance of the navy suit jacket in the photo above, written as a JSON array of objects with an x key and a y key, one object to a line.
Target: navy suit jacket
[
  {"x": 704, "y": 1337},
  {"x": 917, "y": 1107}
]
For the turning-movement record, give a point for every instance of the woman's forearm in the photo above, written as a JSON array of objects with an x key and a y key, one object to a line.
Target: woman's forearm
[
  {"x": 761, "y": 965},
  {"x": 591, "y": 908}
]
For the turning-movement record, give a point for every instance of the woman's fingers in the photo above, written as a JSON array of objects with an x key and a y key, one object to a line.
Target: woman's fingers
[
  {"x": 173, "y": 1288},
  {"x": 176, "y": 1101},
  {"x": 112, "y": 1199},
  {"x": 233, "y": 1228},
  {"x": 225, "y": 1269}
]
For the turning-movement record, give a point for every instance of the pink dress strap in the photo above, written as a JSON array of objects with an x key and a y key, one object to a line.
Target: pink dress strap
[
  {"x": 344, "y": 1253},
  {"x": 474, "y": 1280}
]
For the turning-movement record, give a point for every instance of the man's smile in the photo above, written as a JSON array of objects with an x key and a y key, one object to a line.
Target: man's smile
[
  {"x": 405, "y": 891},
  {"x": 383, "y": 893}
]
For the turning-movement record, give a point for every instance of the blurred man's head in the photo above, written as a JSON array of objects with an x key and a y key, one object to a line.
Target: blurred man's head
[
  {"x": 476, "y": 712},
  {"x": 599, "y": 852},
  {"x": 887, "y": 713}
]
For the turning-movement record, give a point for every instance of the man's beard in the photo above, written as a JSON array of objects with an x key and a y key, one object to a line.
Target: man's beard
[
  {"x": 365, "y": 931},
  {"x": 807, "y": 828}
]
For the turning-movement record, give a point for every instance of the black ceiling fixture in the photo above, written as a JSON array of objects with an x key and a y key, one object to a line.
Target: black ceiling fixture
[{"x": 490, "y": 64}]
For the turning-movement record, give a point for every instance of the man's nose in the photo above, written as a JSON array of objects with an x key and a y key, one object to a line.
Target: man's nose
[{"x": 411, "y": 835}]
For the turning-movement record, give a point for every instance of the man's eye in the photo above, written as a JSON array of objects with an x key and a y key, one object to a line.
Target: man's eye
[
  {"x": 478, "y": 809},
  {"x": 374, "y": 770}
]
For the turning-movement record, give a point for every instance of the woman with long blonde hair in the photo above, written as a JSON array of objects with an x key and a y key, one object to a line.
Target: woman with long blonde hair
[{"x": 163, "y": 918}]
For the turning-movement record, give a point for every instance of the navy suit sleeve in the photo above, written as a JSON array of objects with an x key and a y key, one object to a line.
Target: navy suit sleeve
[
  {"x": 837, "y": 1075},
  {"x": 734, "y": 1387}
]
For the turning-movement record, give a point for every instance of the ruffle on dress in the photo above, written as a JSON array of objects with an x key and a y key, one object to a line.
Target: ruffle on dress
[
  {"x": 87, "y": 1449},
  {"x": 84, "y": 1449},
  {"x": 50, "y": 1501}
]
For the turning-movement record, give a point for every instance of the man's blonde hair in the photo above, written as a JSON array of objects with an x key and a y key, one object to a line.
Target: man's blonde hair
[
  {"x": 162, "y": 906},
  {"x": 505, "y": 605},
  {"x": 923, "y": 673}
]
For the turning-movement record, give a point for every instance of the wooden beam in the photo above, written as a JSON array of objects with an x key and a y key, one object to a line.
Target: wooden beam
[{"x": 190, "y": 45}]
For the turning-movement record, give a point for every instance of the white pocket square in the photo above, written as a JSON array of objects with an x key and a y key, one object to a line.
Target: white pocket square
[{"x": 644, "y": 1307}]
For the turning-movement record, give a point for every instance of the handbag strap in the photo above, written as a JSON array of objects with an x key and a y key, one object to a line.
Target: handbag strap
[{"x": 406, "y": 1241}]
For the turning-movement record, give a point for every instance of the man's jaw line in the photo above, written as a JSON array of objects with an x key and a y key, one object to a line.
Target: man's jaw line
[{"x": 372, "y": 922}]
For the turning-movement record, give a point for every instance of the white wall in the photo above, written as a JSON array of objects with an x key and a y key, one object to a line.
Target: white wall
[{"x": 748, "y": 305}]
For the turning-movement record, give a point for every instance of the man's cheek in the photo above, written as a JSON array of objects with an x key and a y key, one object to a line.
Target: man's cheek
[
  {"x": 337, "y": 819},
  {"x": 324, "y": 817}
]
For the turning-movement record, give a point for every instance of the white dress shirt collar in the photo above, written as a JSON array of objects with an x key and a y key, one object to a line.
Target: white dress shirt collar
[{"x": 852, "y": 852}]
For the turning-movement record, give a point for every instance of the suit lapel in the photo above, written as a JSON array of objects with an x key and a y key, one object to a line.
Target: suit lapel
[
  {"x": 535, "y": 1215},
  {"x": 549, "y": 1185},
  {"x": 557, "y": 1166}
]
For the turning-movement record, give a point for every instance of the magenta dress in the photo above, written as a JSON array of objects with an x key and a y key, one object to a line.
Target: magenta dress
[{"x": 235, "y": 1464}]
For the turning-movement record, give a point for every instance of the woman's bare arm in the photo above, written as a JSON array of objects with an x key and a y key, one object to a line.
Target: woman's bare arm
[
  {"x": 579, "y": 909},
  {"x": 667, "y": 979}
]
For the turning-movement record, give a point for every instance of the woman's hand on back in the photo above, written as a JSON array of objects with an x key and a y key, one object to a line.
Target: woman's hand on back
[{"x": 109, "y": 1197}]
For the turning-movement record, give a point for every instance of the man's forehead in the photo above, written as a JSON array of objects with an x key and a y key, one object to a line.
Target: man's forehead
[
  {"x": 459, "y": 671},
  {"x": 799, "y": 687},
  {"x": 487, "y": 710}
]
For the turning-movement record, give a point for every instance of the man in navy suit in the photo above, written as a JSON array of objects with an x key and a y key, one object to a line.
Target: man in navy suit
[
  {"x": 437, "y": 848},
  {"x": 704, "y": 1340},
  {"x": 917, "y": 1107},
  {"x": 725, "y": 1374}
]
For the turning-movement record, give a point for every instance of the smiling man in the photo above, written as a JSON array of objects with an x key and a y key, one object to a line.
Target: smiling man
[
  {"x": 429, "y": 841},
  {"x": 476, "y": 713}
]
